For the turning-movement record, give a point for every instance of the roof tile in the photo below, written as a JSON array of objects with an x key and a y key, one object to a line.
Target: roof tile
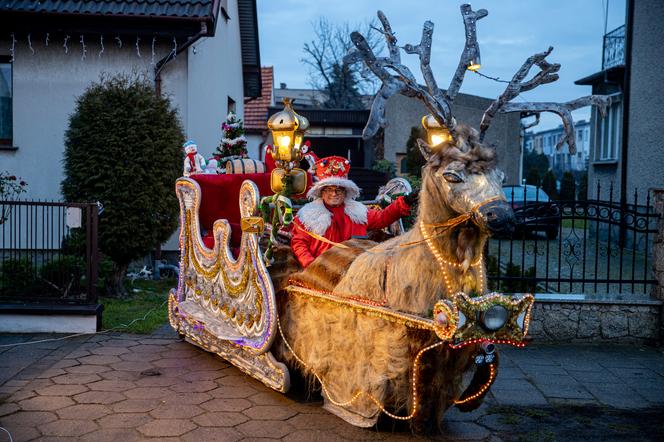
[
  {"x": 255, "y": 111},
  {"x": 130, "y": 8}
]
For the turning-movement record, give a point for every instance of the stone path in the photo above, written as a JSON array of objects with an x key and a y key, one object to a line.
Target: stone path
[{"x": 127, "y": 387}]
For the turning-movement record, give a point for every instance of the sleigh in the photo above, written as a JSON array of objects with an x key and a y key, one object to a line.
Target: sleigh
[{"x": 231, "y": 303}]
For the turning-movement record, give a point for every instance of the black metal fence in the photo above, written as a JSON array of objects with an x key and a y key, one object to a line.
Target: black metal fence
[
  {"x": 48, "y": 252},
  {"x": 575, "y": 246}
]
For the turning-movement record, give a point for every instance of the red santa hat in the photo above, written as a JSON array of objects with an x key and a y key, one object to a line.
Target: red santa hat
[{"x": 332, "y": 171}]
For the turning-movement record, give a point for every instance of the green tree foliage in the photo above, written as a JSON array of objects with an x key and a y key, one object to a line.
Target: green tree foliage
[
  {"x": 342, "y": 89},
  {"x": 123, "y": 148},
  {"x": 533, "y": 177},
  {"x": 582, "y": 191},
  {"x": 539, "y": 161},
  {"x": 385, "y": 166},
  {"x": 414, "y": 158},
  {"x": 549, "y": 185},
  {"x": 567, "y": 187}
]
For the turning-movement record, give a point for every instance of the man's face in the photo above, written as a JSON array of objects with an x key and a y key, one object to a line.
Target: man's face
[{"x": 333, "y": 196}]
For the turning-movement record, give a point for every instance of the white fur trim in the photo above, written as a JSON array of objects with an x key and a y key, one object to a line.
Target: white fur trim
[
  {"x": 317, "y": 219},
  {"x": 352, "y": 191}
]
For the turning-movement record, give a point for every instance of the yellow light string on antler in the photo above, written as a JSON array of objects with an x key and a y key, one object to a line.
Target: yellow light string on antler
[{"x": 356, "y": 396}]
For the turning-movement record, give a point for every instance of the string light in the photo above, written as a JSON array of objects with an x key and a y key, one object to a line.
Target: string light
[
  {"x": 485, "y": 387},
  {"x": 46, "y": 40},
  {"x": 13, "y": 48},
  {"x": 119, "y": 40},
  {"x": 65, "y": 44},
  {"x": 84, "y": 51},
  {"x": 175, "y": 47},
  {"x": 326, "y": 391},
  {"x": 101, "y": 44},
  {"x": 138, "y": 49},
  {"x": 153, "y": 41},
  {"x": 443, "y": 263},
  {"x": 30, "y": 45}
]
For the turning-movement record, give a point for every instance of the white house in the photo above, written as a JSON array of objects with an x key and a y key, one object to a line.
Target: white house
[{"x": 203, "y": 54}]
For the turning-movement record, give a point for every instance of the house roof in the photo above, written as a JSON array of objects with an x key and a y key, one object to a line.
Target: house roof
[
  {"x": 613, "y": 74},
  {"x": 330, "y": 117},
  {"x": 151, "y": 8},
  {"x": 137, "y": 17},
  {"x": 255, "y": 111}
]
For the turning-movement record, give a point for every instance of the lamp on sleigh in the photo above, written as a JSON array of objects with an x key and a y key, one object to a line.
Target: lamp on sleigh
[{"x": 288, "y": 129}]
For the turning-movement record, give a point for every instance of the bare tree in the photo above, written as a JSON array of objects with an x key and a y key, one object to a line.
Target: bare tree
[
  {"x": 398, "y": 79},
  {"x": 342, "y": 81}
]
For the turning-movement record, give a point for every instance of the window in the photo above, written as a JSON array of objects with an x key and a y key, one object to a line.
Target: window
[
  {"x": 5, "y": 102},
  {"x": 231, "y": 105},
  {"x": 609, "y": 132}
]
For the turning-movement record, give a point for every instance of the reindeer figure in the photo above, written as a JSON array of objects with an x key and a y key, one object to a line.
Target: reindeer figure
[{"x": 367, "y": 366}]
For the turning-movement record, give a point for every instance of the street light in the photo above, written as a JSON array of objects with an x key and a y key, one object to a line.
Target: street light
[
  {"x": 436, "y": 133},
  {"x": 288, "y": 129}
]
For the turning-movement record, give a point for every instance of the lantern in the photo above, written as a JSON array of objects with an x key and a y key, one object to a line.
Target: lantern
[
  {"x": 288, "y": 129},
  {"x": 436, "y": 133}
]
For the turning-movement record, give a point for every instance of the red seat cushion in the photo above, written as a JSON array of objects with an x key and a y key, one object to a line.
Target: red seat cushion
[{"x": 220, "y": 200}]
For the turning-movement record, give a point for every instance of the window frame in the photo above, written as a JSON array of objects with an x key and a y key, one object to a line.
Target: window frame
[
  {"x": 8, "y": 143},
  {"x": 609, "y": 127}
]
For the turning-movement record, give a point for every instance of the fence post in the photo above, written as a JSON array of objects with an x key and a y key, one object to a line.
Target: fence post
[{"x": 658, "y": 244}]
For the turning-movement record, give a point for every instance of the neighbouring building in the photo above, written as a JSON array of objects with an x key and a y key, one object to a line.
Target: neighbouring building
[
  {"x": 544, "y": 142},
  {"x": 202, "y": 54},
  {"x": 627, "y": 147},
  {"x": 403, "y": 113},
  {"x": 303, "y": 98},
  {"x": 255, "y": 115}
]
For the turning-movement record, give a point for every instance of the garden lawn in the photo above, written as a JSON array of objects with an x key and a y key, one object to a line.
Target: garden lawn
[{"x": 147, "y": 299}]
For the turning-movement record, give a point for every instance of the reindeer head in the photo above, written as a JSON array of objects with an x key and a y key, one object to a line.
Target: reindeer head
[{"x": 462, "y": 183}]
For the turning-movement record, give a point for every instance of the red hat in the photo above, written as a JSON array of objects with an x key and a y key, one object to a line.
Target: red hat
[{"x": 333, "y": 171}]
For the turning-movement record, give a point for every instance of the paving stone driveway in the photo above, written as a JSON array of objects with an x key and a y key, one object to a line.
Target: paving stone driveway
[{"x": 126, "y": 387}]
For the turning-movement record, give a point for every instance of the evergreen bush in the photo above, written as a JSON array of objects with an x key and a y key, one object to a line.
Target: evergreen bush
[
  {"x": 122, "y": 148},
  {"x": 567, "y": 187},
  {"x": 549, "y": 185},
  {"x": 414, "y": 158}
]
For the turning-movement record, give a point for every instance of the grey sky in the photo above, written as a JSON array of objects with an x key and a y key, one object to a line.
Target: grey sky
[{"x": 513, "y": 30}]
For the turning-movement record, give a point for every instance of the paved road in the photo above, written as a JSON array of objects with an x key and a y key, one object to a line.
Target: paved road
[{"x": 125, "y": 387}]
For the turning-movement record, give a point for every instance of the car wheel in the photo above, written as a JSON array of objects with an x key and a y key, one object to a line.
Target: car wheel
[{"x": 552, "y": 232}]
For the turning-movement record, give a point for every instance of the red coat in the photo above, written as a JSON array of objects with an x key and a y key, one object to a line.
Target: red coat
[{"x": 341, "y": 228}]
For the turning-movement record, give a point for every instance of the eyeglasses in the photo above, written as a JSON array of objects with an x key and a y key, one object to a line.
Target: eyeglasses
[{"x": 332, "y": 189}]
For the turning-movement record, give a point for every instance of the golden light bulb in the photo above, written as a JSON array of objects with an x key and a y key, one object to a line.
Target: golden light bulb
[
  {"x": 284, "y": 141},
  {"x": 437, "y": 139},
  {"x": 474, "y": 67}
]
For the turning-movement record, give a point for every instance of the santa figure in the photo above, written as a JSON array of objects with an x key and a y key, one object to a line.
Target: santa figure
[
  {"x": 193, "y": 162},
  {"x": 334, "y": 215}
]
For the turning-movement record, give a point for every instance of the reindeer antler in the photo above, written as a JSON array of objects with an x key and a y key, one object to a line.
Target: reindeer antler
[
  {"x": 564, "y": 110},
  {"x": 403, "y": 81},
  {"x": 548, "y": 73}
]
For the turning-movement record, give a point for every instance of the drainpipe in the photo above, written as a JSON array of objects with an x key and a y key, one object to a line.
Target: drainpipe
[
  {"x": 629, "y": 33},
  {"x": 161, "y": 64}
]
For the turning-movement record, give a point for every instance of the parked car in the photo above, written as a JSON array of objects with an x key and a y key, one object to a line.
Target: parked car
[{"x": 533, "y": 209}]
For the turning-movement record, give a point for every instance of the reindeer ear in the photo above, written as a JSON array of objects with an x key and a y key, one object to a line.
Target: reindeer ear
[{"x": 426, "y": 150}]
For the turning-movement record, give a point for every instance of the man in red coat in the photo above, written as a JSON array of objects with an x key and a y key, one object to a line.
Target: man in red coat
[{"x": 334, "y": 216}]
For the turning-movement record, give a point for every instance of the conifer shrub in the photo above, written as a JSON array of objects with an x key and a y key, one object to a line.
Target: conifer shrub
[{"x": 123, "y": 149}]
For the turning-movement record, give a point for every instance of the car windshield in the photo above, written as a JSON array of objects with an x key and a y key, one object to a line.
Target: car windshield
[{"x": 515, "y": 193}]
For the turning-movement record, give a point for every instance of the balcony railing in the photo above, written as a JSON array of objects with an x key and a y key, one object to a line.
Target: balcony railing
[{"x": 614, "y": 48}]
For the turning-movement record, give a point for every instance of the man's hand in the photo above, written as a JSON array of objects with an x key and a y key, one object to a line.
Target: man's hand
[{"x": 412, "y": 198}]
